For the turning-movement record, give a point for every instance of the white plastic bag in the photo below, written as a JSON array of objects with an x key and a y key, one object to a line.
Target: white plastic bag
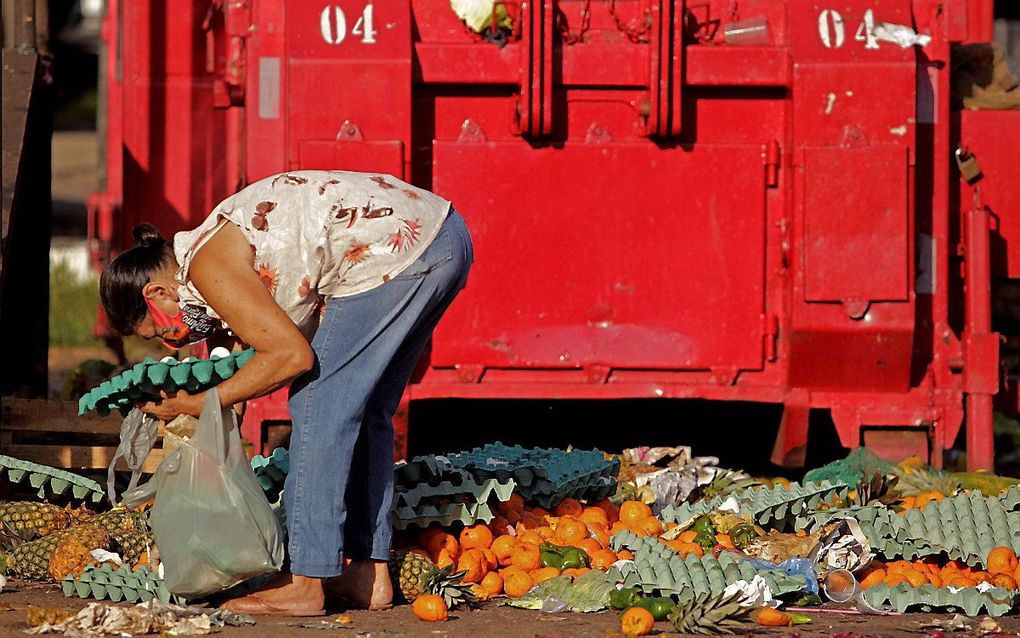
[{"x": 213, "y": 525}]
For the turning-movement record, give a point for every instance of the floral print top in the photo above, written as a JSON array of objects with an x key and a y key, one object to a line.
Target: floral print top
[{"x": 320, "y": 234}]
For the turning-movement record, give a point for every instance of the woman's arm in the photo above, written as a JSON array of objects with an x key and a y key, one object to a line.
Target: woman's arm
[{"x": 223, "y": 273}]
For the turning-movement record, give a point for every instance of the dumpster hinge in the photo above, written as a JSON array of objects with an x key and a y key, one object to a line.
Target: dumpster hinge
[
  {"x": 770, "y": 332},
  {"x": 770, "y": 156}
]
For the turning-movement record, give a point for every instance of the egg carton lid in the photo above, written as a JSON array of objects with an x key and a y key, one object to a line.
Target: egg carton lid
[
  {"x": 463, "y": 513},
  {"x": 526, "y": 464},
  {"x": 117, "y": 584},
  {"x": 971, "y": 601},
  {"x": 50, "y": 481},
  {"x": 477, "y": 492},
  {"x": 657, "y": 568},
  {"x": 148, "y": 377},
  {"x": 777, "y": 507}
]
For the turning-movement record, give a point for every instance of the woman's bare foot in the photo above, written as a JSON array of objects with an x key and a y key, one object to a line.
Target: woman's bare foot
[
  {"x": 285, "y": 595},
  {"x": 365, "y": 583}
]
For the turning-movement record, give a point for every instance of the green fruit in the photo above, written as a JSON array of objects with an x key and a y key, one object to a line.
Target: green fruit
[
  {"x": 659, "y": 607},
  {"x": 742, "y": 534},
  {"x": 704, "y": 524},
  {"x": 706, "y": 540},
  {"x": 575, "y": 558},
  {"x": 624, "y": 598}
]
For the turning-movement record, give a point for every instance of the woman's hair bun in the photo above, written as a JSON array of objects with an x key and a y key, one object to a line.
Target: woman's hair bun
[{"x": 147, "y": 235}]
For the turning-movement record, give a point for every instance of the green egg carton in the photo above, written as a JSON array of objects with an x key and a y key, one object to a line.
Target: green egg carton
[
  {"x": 543, "y": 476},
  {"x": 468, "y": 491},
  {"x": 963, "y": 527},
  {"x": 968, "y": 600},
  {"x": 657, "y": 569},
  {"x": 271, "y": 473},
  {"x": 1010, "y": 499},
  {"x": 430, "y": 469},
  {"x": 445, "y": 515},
  {"x": 118, "y": 584},
  {"x": 145, "y": 380},
  {"x": 50, "y": 481},
  {"x": 777, "y": 507}
]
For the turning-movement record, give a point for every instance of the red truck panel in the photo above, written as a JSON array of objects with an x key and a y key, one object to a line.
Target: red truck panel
[{"x": 657, "y": 212}]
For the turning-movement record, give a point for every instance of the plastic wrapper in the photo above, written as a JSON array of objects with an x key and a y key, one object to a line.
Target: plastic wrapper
[
  {"x": 137, "y": 436},
  {"x": 845, "y": 547},
  {"x": 214, "y": 527}
]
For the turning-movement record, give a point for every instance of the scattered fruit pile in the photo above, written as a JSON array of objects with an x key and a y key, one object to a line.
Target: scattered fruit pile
[{"x": 1002, "y": 570}]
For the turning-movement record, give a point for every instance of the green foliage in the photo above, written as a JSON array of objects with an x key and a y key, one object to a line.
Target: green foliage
[{"x": 73, "y": 303}]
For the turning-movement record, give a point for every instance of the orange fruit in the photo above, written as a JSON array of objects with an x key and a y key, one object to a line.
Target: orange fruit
[
  {"x": 873, "y": 577},
  {"x": 1004, "y": 580},
  {"x": 725, "y": 540},
  {"x": 568, "y": 507},
  {"x": 512, "y": 516},
  {"x": 443, "y": 540},
  {"x": 616, "y": 528},
  {"x": 502, "y": 547},
  {"x": 611, "y": 510},
  {"x": 430, "y": 608},
  {"x": 690, "y": 548},
  {"x": 517, "y": 583},
  {"x": 473, "y": 564},
  {"x": 545, "y": 532},
  {"x": 574, "y": 572},
  {"x": 921, "y": 500},
  {"x": 499, "y": 525},
  {"x": 960, "y": 581},
  {"x": 602, "y": 559},
  {"x": 1001, "y": 560},
  {"x": 688, "y": 536},
  {"x": 531, "y": 521},
  {"x": 492, "y": 584},
  {"x": 625, "y": 554},
  {"x": 600, "y": 532},
  {"x": 530, "y": 537},
  {"x": 895, "y": 579},
  {"x": 570, "y": 531},
  {"x": 1016, "y": 574},
  {"x": 589, "y": 545},
  {"x": 908, "y": 502},
  {"x": 633, "y": 512},
  {"x": 898, "y": 567},
  {"x": 426, "y": 534},
  {"x": 637, "y": 621},
  {"x": 514, "y": 504},
  {"x": 526, "y": 556},
  {"x": 648, "y": 526},
  {"x": 593, "y": 515},
  {"x": 935, "y": 579},
  {"x": 443, "y": 558},
  {"x": 769, "y": 617},
  {"x": 915, "y": 577},
  {"x": 475, "y": 537},
  {"x": 673, "y": 544},
  {"x": 539, "y": 511},
  {"x": 491, "y": 561},
  {"x": 543, "y": 574}
]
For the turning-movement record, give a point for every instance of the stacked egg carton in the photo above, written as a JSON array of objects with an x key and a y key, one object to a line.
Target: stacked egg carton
[
  {"x": 658, "y": 569},
  {"x": 777, "y": 507},
  {"x": 119, "y": 584},
  {"x": 544, "y": 476},
  {"x": 49, "y": 480},
  {"x": 430, "y": 489},
  {"x": 963, "y": 527},
  {"x": 271, "y": 472},
  {"x": 971, "y": 601},
  {"x": 145, "y": 380}
]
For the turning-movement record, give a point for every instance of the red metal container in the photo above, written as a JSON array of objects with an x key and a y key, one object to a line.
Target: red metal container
[{"x": 656, "y": 212}]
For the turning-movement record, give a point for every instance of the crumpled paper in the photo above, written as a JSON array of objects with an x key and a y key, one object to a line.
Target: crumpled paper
[
  {"x": 844, "y": 547},
  {"x": 672, "y": 474},
  {"x": 153, "y": 617},
  {"x": 756, "y": 593},
  {"x": 776, "y": 547},
  {"x": 900, "y": 34}
]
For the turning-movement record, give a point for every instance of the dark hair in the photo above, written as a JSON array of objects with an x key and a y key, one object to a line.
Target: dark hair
[{"x": 120, "y": 286}]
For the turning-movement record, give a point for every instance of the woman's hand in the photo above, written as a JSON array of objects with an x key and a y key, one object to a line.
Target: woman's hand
[{"x": 170, "y": 407}]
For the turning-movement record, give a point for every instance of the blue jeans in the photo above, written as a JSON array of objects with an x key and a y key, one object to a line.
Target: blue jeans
[{"x": 339, "y": 491}]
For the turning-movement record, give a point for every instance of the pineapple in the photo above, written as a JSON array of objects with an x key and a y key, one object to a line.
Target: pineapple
[
  {"x": 914, "y": 482},
  {"x": 709, "y": 614},
  {"x": 28, "y": 519},
  {"x": 74, "y": 553},
  {"x": 32, "y": 559},
  {"x": 879, "y": 489},
  {"x": 416, "y": 574},
  {"x": 727, "y": 482},
  {"x": 133, "y": 546},
  {"x": 129, "y": 532}
]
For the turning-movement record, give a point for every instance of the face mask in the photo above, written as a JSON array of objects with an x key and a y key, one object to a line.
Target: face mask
[{"x": 190, "y": 325}]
